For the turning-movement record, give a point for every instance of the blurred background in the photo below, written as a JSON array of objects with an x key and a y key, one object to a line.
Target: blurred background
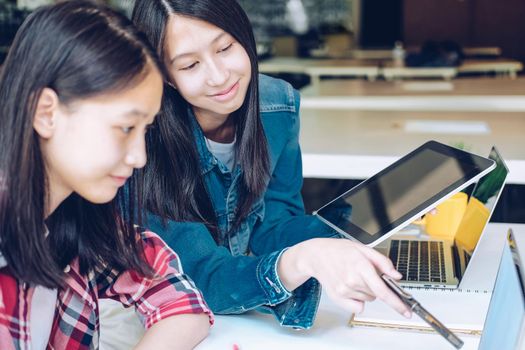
[{"x": 380, "y": 77}]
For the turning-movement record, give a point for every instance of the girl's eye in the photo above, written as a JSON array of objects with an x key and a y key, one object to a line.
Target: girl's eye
[
  {"x": 127, "y": 129},
  {"x": 191, "y": 66},
  {"x": 226, "y": 48}
]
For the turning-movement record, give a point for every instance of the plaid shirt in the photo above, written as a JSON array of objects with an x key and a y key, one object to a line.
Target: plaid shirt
[{"x": 76, "y": 323}]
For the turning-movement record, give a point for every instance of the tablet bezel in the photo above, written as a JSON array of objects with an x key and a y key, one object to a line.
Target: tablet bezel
[{"x": 482, "y": 167}]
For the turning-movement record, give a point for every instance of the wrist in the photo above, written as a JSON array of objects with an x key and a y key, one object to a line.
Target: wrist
[{"x": 294, "y": 266}]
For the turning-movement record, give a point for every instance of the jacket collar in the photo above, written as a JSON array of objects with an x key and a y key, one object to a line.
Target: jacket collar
[
  {"x": 82, "y": 285},
  {"x": 206, "y": 158}
]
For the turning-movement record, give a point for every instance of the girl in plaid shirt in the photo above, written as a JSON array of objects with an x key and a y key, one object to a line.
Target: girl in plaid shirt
[{"x": 78, "y": 91}]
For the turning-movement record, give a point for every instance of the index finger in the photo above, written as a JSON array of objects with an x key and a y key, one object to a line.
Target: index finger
[{"x": 384, "y": 293}]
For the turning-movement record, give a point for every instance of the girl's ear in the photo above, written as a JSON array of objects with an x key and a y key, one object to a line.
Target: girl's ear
[{"x": 47, "y": 106}]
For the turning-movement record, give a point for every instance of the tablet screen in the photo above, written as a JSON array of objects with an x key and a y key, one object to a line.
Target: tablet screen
[{"x": 416, "y": 181}]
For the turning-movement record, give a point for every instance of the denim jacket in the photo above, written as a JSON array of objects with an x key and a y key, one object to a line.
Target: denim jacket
[{"x": 240, "y": 274}]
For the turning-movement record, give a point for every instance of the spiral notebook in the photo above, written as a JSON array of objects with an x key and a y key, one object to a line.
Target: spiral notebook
[{"x": 461, "y": 310}]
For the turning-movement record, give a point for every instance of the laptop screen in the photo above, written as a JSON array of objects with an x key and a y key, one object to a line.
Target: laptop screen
[
  {"x": 481, "y": 204},
  {"x": 402, "y": 191},
  {"x": 503, "y": 325}
]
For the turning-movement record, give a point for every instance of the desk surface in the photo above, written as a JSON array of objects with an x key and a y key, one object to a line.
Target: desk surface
[
  {"x": 254, "y": 331},
  {"x": 493, "y": 65},
  {"x": 498, "y": 65},
  {"x": 375, "y": 67},
  {"x": 487, "y": 51},
  {"x": 316, "y": 67},
  {"x": 472, "y": 94},
  {"x": 357, "y": 144},
  {"x": 492, "y": 87}
]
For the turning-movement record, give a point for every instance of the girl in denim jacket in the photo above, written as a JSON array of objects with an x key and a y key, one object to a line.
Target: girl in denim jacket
[
  {"x": 225, "y": 163},
  {"x": 78, "y": 89}
]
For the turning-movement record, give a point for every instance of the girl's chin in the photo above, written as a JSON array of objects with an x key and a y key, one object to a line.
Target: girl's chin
[{"x": 101, "y": 198}]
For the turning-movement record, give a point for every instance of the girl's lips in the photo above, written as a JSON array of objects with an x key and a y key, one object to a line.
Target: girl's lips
[
  {"x": 227, "y": 94},
  {"x": 225, "y": 91},
  {"x": 120, "y": 180}
]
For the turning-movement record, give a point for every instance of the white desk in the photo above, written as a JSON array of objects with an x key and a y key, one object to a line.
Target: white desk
[
  {"x": 499, "y": 66},
  {"x": 391, "y": 72},
  {"x": 373, "y": 68},
  {"x": 465, "y": 94},
  {"x": 356, "y": 144},
  {"x": 316, "y": 68},
  {"x": 351, "y": 129},
  {"x": 255, "y": 331},
  {"x": 487, "y": 51}
]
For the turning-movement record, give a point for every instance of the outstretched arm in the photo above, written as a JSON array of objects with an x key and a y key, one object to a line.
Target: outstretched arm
[{"x": 176, "y": 332}]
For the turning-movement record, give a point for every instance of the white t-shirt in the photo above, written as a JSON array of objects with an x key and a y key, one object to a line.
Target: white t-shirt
[
  {"x": 43, "y": 305},
  {"x": 224, "y": 152}
]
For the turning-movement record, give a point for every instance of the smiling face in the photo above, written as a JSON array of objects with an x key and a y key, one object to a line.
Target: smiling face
[
  {"x": 209, "y": 68},
  {"x": 91, "y": 146}
]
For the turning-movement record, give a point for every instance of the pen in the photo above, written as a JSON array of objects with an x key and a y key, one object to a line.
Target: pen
[
  {"x": 438, "y": 326},
  {"x": 419, "y": 310}
]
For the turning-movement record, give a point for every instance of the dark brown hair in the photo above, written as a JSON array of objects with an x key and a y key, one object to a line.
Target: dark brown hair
[
  {"x": 172, "y": 150},
  {"x": 79, "y": 49}
]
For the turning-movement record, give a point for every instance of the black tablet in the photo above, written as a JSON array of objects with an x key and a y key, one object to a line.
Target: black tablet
[{"x": 389, "y": 200}]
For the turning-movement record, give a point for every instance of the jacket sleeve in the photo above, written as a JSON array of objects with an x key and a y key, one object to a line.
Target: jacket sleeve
[
  {"x": 170, "y": 292},
  {"x": 230, "y": 284},
  {"x": 235, "y": 284}
]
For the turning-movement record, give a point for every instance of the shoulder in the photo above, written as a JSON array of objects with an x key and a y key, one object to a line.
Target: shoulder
[
  {"x": 276, "y": 95},
  {"x": 279, "y": 106},
  {"x": 156, "y": 252}
]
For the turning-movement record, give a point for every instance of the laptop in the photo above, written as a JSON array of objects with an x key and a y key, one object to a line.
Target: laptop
[
  {"x": 504, "y": 327},
  {"x": 440, "y": 263},
  {"x": 386, "y": 202}
]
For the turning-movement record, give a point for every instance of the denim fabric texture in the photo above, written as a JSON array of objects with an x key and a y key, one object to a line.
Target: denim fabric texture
[{"x": 240, "y": 273}]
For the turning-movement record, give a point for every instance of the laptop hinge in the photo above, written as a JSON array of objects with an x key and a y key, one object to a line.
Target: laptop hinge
[{"x": 456, "y": 262}]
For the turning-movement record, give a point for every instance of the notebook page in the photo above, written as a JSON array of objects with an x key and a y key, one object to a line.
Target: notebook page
[{"x": 460, "y": 310}]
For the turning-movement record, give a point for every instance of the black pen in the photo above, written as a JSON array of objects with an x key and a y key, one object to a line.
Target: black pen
[{"x": 419, "y": 310}]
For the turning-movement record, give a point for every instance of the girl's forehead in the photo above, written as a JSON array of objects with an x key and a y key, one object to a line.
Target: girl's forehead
[
  {"x": 142, "y": 98},
  {"x": 186, "y": 36},
  {"x": 191, "y": 29}
]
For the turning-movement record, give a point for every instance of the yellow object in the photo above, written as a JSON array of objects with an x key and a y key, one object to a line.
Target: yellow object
[
  {"x": 476, "y": 216},
  {"x": 443, "y": 221}
]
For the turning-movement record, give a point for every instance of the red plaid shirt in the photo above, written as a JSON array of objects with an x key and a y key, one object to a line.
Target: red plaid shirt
[{"x": 76, "y": 324}]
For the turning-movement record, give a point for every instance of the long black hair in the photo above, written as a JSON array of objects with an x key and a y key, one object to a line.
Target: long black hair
[
  {"x": 175, "y": 187},
  {"x": 80, "y": 50}
]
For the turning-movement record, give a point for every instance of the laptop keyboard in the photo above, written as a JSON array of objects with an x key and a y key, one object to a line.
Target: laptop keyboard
[{"x": 418, "y": 260}]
